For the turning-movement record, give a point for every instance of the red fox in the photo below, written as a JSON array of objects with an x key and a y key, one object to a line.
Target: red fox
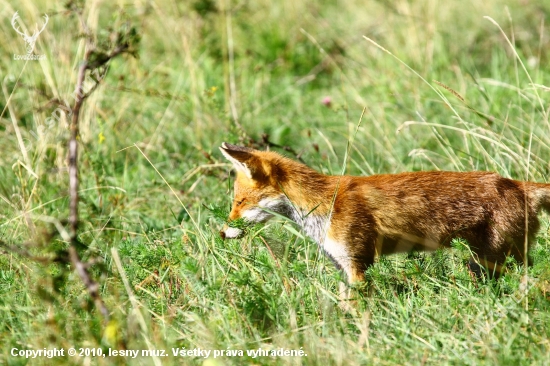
[{"x": 354, "y": 219}]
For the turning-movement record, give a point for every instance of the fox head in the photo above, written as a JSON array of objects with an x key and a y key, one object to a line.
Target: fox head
[{"x": 257, "y": 192}]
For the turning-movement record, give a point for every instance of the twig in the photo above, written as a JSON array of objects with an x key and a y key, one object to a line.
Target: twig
[
  {"x": 96, "y": 61},
  {"x": 80, "y": 267},
  {"x": 6, "y": 248},
  {"x": 73, "y": 152}
]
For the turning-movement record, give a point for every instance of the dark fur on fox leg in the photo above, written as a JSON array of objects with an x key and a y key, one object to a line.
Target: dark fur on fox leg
[{"x": 480, "y": 268}]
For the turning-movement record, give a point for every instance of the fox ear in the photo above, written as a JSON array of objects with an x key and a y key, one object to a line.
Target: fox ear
[{"x": 242, "y": 158}]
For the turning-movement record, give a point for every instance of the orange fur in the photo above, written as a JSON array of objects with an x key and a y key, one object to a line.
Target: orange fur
[{"x": 354, "y": 219}]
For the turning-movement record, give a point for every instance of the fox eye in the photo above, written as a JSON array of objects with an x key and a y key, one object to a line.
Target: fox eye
[{"x": 239, "y": 202}]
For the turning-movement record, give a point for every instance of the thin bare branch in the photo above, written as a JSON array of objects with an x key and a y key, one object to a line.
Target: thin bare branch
[
  {"x": 22, "y": 252},
  {"x": 80, "y": 267}
]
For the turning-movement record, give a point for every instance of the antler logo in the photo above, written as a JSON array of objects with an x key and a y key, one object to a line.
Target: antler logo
[{"x": 30, "y": 40}]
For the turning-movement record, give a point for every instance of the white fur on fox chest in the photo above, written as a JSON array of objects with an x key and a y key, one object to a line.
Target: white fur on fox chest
[
  {"x": 339, "y": 254},
  {"x": 315, "y": 226}
]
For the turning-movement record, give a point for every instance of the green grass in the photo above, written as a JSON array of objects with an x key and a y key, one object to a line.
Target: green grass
[{"x": 166, "y": 276}]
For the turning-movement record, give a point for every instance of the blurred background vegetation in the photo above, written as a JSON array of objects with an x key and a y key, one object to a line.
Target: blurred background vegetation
[{"x": 297, "y": 76}]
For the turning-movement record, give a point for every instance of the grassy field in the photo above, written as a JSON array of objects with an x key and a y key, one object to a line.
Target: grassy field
[{"x": 458, "y": 85}]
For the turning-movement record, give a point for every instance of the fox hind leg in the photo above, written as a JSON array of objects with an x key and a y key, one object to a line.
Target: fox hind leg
[{"x": 489, "y": 256}]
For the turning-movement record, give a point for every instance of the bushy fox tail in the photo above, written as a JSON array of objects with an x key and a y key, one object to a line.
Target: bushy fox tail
[{"x": 540, "y": 196}]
